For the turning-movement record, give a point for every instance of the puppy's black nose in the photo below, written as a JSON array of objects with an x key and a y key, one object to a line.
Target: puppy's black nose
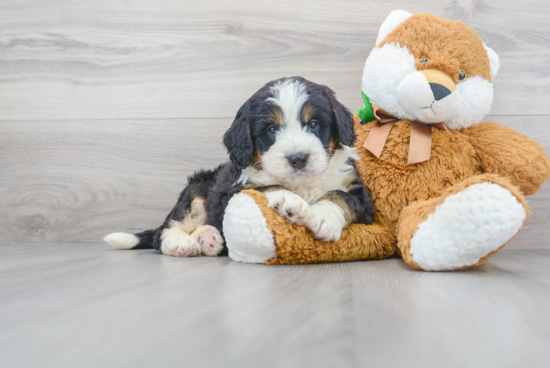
[
  {"x": 439, "y": 91},
  {"x": 298, "y": 161}
]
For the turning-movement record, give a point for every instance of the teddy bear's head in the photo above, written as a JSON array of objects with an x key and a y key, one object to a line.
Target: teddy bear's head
[{"x": 430, "y": 69}]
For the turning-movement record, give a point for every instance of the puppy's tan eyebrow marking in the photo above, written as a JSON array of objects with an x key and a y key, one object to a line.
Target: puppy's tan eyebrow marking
[
  {"x": 333, "y": 145},
  {"x": 275, "y": 116},
  {"x": 257, "y": 160},
  {"x": 308, "y": 112}
]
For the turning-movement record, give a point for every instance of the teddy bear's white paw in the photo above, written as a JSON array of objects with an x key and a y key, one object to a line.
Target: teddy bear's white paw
[
  {"x": 289, "y": 205},
  {"x": 247, "y": 237},
  {"x": 176, "y": 242},
  {"x": 326, "y": 221},
  {"x": 466, "y": 227}
]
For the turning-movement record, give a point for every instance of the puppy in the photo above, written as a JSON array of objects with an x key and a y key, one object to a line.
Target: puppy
[{"x": 292, "y": 140}]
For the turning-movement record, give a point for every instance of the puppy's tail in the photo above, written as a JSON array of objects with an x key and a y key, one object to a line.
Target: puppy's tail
[{"x": 143, "y": 240}]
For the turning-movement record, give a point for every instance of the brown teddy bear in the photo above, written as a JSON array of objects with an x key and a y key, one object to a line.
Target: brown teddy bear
[{"x": 448, "y": 188}]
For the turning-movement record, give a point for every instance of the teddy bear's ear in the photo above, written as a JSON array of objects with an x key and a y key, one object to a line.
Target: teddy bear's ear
[
  {"x": 494, "y": 60},
  {"x": 393, "y": 21}
]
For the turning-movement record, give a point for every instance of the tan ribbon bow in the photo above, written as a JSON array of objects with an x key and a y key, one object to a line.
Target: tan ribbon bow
[{"x": 420, "y": 145}]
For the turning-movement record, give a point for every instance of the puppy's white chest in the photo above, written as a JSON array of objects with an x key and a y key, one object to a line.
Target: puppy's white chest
[
  {"x": 314, "y": 189},
  {"x": 338, "y": 176}
]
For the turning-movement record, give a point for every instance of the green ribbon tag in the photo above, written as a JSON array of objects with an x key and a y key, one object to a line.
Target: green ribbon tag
[{"x": 365, "y": 112}]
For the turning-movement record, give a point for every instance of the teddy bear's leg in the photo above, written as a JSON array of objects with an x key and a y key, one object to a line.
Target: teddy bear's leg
[
  {"x": 255, "y": 233},
  {"x": 470, "y": 222}
]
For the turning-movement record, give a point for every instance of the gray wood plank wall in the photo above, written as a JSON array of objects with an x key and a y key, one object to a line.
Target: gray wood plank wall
[{"x": 107, "y": 106}]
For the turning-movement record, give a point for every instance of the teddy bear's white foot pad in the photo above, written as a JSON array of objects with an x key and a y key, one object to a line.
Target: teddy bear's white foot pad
[
  {"x": 466, "y": 227},
  {"x": 247, "y": 236}
]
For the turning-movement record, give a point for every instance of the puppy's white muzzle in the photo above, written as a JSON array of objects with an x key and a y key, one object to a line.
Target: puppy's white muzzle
[{"x": 430, "y": 95}]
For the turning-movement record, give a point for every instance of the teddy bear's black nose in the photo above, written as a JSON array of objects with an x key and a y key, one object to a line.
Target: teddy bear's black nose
[{"x": 439, "y": 91}]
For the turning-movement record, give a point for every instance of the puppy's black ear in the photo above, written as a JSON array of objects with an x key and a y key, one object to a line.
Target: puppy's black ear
[
  {"x": 344, "y": 122},
  {"x": 238, "y": 140}
]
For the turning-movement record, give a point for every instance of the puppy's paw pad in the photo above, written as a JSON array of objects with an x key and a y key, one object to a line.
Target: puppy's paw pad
[
  {"x": 289, "y": 205},
  {"x": 182, "y": 251},
  {"x": 211, "y": 241},
  {"x": 294, "y": 209}
]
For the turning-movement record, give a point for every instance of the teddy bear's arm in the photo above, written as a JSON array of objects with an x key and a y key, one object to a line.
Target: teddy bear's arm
[
  {"x": 255, "y": 233},
  {"x": 504, "y": 151}
]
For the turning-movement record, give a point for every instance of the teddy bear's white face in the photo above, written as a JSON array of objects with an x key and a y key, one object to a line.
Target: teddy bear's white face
[{"x": 416, "y": 88}]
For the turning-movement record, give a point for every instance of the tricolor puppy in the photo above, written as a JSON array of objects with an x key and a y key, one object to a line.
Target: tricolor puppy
[{"x": 292, "y": 140}]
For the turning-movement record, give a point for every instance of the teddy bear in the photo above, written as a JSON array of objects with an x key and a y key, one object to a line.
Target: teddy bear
[{"x": 448, "y": 188}]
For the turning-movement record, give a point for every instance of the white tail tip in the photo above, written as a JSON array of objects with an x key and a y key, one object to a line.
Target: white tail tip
[{"x": 121, "y": 240}]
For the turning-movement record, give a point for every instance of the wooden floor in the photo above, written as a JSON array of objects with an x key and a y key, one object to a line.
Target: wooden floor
[{"x": 85, "y": 305}]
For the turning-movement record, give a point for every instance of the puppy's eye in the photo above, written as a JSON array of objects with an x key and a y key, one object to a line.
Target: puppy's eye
[
  {"x": 272, "y": 129},
  {"x": 312, "y": 125},
  {"x": 462, "y": 75},
  {"x": 424, "y": 60}
]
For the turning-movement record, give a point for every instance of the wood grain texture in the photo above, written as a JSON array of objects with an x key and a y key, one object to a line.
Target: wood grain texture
[
  {"x": 76, "y": 181},
  {"x": 85, "y": 305},
  {"x": 105, "y": 59},
  {"x": 107, "y": 106}
]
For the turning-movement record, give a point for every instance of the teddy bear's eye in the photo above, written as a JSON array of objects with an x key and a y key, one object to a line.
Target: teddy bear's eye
[
  {"x": 424, "y": 60},
  {"x": 462, "y": 75}
]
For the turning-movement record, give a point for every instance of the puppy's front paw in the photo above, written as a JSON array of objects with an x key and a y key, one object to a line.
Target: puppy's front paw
[
  {"x": 289, "y": 205},
  {"x": 175, "y": 242},
  {"x": 326, "y": 221}
]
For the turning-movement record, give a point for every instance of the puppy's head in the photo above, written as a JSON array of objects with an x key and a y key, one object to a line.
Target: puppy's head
[{"x": 289, "y": 128}]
